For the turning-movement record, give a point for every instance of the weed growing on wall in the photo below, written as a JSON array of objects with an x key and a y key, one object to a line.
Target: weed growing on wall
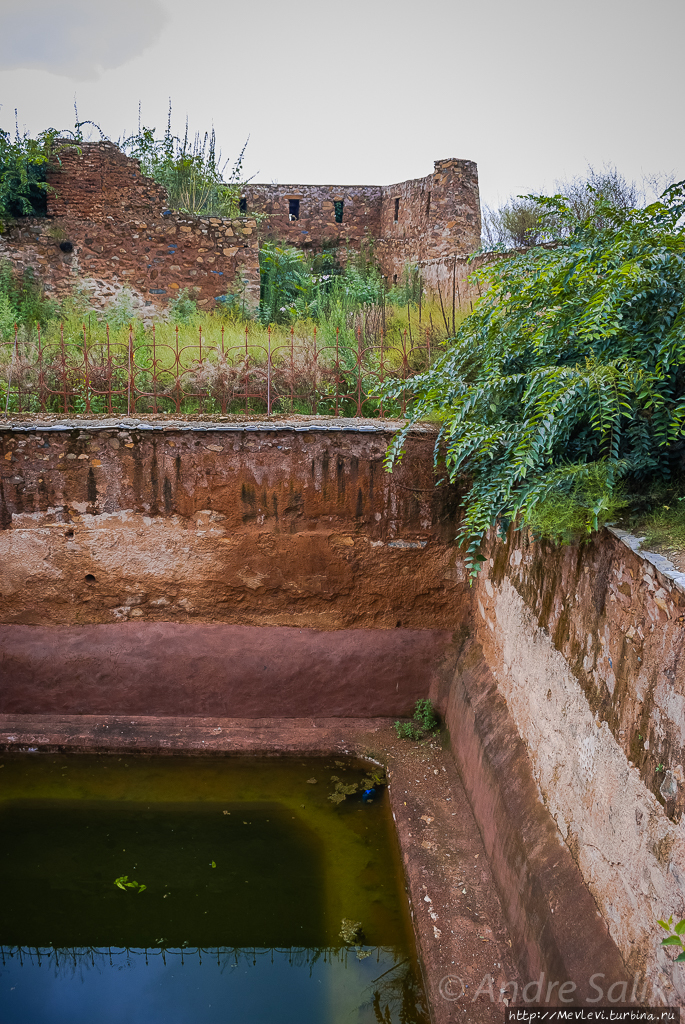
[{"x": 191, "y": 169}]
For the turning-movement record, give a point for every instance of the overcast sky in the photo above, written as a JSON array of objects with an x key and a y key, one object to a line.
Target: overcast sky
[{"x": 366, "y": 91}]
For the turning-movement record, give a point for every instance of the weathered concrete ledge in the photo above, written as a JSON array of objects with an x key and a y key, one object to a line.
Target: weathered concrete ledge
[{"x": 157, "y": 422}]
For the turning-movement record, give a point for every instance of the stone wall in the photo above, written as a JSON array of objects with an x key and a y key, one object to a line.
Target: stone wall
[
  {"x": 587, "y": 646},
  {"x": 412, "y": 221},
  {"x": 316, "y": 223},
  {"x": 430, "y": 217},
  {"x": 108, "y": 227}
]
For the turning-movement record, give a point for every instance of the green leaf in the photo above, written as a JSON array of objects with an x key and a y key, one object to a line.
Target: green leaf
[
  {"x": 672, "y": 940},
  {"x": 680, "y": 927}
]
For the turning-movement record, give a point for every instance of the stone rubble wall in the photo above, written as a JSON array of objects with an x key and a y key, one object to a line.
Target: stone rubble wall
[
  {"x": 436, "y": 215},
  {"x": 316, "y": 225},
  {"x": 122, "y": 236},
  {"x": 588, "y": 649}
]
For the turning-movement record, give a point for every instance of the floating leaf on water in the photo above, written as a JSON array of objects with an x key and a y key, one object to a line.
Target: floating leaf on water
[
  {"x": 337, "y": 798},
  {"x": 213, "y": 864},
  {"x": 350, "y": 931},
  {"x": 123, "y": 883},
  {"x": 311, "y": 782}
]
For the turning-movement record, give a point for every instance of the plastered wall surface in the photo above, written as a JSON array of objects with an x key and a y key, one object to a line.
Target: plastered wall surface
[
  {"x": 298, "y": 544},
  {"x": 271, "y": 527},
  {"x": 562, "y": 631}
]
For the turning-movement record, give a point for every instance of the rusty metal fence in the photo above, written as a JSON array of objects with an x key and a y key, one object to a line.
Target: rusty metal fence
[{"x": 189, "y": 374}]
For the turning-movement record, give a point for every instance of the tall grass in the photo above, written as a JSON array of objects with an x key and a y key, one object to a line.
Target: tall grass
[{"x": 326, "y": 333}]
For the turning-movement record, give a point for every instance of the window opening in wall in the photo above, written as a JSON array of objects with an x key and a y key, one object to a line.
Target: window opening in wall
[
  {"x": 428, "y": 204},
  {"x": 242, "y": 205},
  {"x": 338, "y": 204},
  {"x": 294, "y": 209},
  {"x": 397, "y": 210}
]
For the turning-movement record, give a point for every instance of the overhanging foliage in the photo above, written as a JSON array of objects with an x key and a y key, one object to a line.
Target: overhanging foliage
[{"x": 569, "y": 376}]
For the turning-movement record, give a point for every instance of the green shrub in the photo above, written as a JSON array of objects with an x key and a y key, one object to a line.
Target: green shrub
[
  {"x": 569, "y": 375},
  {"x": 424, "y": 722}
]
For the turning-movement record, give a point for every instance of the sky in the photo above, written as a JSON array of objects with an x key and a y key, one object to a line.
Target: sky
[{"x": 365, "y": 91}]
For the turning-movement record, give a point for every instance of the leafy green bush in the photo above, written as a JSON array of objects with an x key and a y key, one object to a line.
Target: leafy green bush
[
  {"x": 182, "y": 309},
  {"x": 585, "y": 502},
  {"x": 569, "y": 375},
  {"x": 23, "y": 165}
]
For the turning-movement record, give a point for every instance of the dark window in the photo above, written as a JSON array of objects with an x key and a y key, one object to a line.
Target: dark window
[
  {"x": 242, "y": 205},
  {"x": 294, "y": 209},
  {"x": 338, "y": 204},
  {"x": 394, "y": 278},
  {"x": 428, "y": 204},
  {"x": 397, "y": 210}
]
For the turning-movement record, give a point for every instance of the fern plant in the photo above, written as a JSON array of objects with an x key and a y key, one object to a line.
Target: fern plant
[{"x": 569, "y": 373}]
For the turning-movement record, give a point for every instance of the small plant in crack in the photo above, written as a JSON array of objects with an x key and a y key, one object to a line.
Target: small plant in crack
[{"x": 425, "y": 722}]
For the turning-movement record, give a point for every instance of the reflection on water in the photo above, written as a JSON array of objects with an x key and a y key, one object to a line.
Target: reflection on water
[
  {"x": 246, "y": 888},
  {"x": 228, "y": 984}
]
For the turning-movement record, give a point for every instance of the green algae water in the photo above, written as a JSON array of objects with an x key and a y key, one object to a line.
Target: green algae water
[{"x": 201, "y": 890}]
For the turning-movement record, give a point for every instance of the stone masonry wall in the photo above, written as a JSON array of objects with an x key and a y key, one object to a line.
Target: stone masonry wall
[
  {"x": 430, "y": 217},
  {"x": 116, "y": 226},
  {"x": 587, "y": 645},
  {"x": 108, "y": 228},
  {"x": 317, "y": 224},
  {"x": 436, "y": 215}
]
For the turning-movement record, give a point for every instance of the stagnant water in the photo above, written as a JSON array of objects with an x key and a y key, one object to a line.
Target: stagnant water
[{"x": 249, "y": 872}]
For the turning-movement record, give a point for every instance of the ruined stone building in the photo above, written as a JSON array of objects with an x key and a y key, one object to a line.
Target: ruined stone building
[{"x": 108, "y": 227}]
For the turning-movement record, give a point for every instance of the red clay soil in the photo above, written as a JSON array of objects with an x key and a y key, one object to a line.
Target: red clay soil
[{"x": 215, "y": 669}]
